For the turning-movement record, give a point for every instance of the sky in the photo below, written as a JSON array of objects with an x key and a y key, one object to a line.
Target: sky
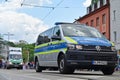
[{"x": 26, "y": 19}]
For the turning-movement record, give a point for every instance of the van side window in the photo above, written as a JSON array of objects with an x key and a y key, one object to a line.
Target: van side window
[
  {"x": 56, "y": 31},
  {"x": 45, "y": 37},
  {"x": 40, "y": 39}
]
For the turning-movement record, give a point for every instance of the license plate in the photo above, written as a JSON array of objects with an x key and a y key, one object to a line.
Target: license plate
[
  {"x": 16, "y": 65},
  {"x": 99, "y": 62}
]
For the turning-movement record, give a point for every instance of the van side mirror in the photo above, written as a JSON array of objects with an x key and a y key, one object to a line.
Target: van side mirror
[{"x": 56, "y": 37}]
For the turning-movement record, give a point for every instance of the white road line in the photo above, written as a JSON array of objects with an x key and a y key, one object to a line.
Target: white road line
[{"x": 71, "y": 79}]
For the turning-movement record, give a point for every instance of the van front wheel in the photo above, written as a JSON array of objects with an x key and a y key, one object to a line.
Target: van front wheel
[
  {"x": 37, "y": 67},
  {"x": 108, "y": 71},
  {"x": 63, "y": 67}
]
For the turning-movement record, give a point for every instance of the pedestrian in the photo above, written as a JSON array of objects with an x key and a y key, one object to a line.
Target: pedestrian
[{"x": 24, "y": 66}]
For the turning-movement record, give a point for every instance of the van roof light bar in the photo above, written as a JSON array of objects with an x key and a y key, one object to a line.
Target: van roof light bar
[{"x": 58, "y": 23}]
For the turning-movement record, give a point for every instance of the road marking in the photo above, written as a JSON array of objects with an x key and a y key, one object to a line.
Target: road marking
[{"x": 71, "y": 79}]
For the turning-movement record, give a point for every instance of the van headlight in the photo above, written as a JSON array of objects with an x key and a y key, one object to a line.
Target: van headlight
[
  {"x": 74, "y": 46},
  {"x": 113, "y": 48},
  {"x": 79, "y": 47},
  {"x": 10, "y": 62},
  {"x": 21, "y": 63},
  {"x": 71, "y": 46}
]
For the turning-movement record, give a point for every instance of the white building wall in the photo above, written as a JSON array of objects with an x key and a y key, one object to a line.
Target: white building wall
[
  {"x": 4, "y": 50},
  {"x": 115, "y": 22}
]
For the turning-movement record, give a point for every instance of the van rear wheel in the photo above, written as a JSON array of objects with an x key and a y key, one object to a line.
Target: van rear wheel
[
  {"x": 63, "y": 68},
  {"x": 37, "y": 67}
]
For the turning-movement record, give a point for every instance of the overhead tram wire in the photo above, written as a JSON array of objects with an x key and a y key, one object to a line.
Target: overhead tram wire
[
  {"x": 37, "y": 6},
  {"x": 34, "y": 5},
  {"x": 52, "y": 10},
  {"x": 45, "y": 6},
  {"x": 42, "y": 6},
  {"x": 52, "y": 7},
  {"x": 22, "y": 2},
  {"x": 7, "y": 0}
]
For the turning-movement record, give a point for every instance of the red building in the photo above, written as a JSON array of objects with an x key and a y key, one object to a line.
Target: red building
[{"x": 98, "y": 16}]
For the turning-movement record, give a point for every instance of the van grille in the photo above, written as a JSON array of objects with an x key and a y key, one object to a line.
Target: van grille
[
  {"x": 16, "y": 63},
  {"x": 93, "y": 48},
  {"x": 91, "y": 57},
  {"x": 102, "y": 58}
]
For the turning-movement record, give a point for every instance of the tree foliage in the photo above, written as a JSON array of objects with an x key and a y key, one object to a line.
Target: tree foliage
[
  {"x": 11, "y": 44},
  {"x": 1, "y": 57},
  {"x": 28, "y": 51}
]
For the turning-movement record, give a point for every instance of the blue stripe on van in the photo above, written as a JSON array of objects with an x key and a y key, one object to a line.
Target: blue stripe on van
[{"x": 51, "y": 47}]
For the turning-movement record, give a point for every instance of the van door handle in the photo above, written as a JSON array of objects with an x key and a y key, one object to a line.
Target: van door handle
[{"x": 49, "y": 43}]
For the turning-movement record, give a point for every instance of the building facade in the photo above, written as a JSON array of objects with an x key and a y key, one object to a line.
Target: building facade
[
  {"x": 115, "y": 22},
  {"x": 3, "y": 48},
  {"x": 98, "y": 16}
]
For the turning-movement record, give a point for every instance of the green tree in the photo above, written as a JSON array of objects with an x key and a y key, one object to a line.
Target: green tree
[
  {"x": 28, "y": 50},
  {"x": 11, "y": 44}
]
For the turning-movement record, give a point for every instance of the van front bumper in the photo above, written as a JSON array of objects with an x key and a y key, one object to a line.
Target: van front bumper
[
  {"x": 14, "y": 65},
  {"x": 91, "y": 59}
]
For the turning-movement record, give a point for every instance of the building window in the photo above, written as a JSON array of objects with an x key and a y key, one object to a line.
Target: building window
[
  {"x": 115, "y": 36},
  {"x": 101, "y": 2},
  {"x": 87, "y": 10},
  {"x": 92, "y": 7},
  {"x": 98, "y": 4},
  {"x": 95, "y": 6},
  {"x": 114, "y": 15},
  {"x": 104, "y": 33},
  {"x": 97, "y": 21},
  {"x": 103, "y": 19},
  {"x": 92, "y": 23},
  {"x": 104, "y": 2},
  {"x": 87, "y": 23}
]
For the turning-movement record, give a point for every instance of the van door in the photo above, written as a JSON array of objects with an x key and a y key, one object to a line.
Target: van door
[
  {"x": 54, "y": 47},
  {"x": 45, "y": 56}
]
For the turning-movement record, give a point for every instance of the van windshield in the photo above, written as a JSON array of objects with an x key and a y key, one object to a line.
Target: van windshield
[
  {"x": 81, "y": 30},
  {"x": 15, "y": 56}
]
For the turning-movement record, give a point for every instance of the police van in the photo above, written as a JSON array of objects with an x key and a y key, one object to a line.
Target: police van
[{"x": 70, "y": 46}]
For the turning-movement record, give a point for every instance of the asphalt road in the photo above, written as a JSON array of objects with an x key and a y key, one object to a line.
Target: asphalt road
[{"x": 14, "y": 74}]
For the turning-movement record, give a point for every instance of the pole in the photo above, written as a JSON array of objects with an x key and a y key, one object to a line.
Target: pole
[
  {"x": 8, "y": 34},
  {"x": 28, "y": 55}
]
